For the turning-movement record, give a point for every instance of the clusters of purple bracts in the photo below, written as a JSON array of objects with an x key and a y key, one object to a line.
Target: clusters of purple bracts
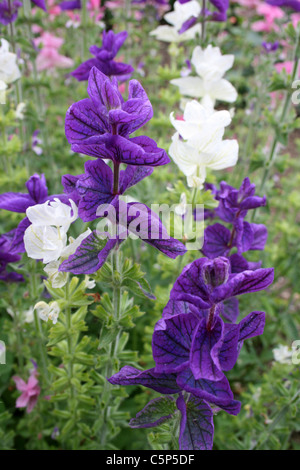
[
  {"x": 104, "y": 58},
  {"x": 12, "y": 244},
  {"x": 100, "y": 126},
  {"x": 198, "y": 340}
]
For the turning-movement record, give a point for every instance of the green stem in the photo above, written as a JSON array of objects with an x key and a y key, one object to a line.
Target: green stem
[
  {"x": 113, "y": 347},
  {"x": 37, "y": 321}
]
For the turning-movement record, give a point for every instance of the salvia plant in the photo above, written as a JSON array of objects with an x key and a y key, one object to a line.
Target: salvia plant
[{"x": 147, "y": 179}]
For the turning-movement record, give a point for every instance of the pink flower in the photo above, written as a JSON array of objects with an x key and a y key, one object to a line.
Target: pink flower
[
  {"x": 288, "y": 66},
  {"x": 30, "y": 392},
  {"x": 270, "y": 14},
  {"x": 49, "y": 58}
]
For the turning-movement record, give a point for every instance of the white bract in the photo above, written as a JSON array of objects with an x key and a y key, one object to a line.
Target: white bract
[
  {"x": 176, "y": 18},
  {"x": 210, "y": 85},
  {"x": 9, "y": 70},
  {"x": 48, "y": 311},
  {"x": 198, "y": 143},
  {"x": 44, "y": 242},
  {"x": 54, "y": 213}
]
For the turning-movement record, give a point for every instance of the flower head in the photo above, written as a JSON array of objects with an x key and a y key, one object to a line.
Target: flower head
[
  {"x": 198, "y": 144},
  {"x": 104, "y": 59},
  {"x": 210, "y": 85},
  {"x": 30, "y": 391}
]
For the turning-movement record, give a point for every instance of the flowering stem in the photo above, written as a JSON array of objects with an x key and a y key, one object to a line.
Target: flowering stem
[{"x": 113, "y": 347}]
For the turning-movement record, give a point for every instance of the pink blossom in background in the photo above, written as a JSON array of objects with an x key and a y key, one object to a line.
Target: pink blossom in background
[
  {"x": 30, "y": 391},
  {"x": 49, "y": 57},
  {"x": 96, "y": 11},
  {"x": 287, "y": 66},
  {"x": 270, "y": 14},
  {"x": 53, "y": 9}
]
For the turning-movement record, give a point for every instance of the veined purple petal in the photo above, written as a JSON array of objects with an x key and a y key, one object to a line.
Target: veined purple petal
[
  {"x": 211, "y": 391},
  {"x": 90, "y": 255},
  {"x": 162, "y": 383},
  {"x": 243, "y": 283},
  {"x": 171, "y": 343},
  {"x": 252, "y": 325},
  {"x": 190, "y": 286},
  {"x": 216, "y": 241},
  {"x": 228, "y": 353},
  {"x": 15, "y": 202},
  {"x": 196, "y": 425},
  {"x": 206, "y": 345},
  {"x": 156, "y": 412}
]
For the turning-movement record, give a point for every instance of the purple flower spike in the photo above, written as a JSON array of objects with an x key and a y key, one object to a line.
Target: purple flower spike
[{"x": 104, "y": 56}]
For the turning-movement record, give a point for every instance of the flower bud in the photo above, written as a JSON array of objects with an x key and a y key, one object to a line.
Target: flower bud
[{"x": 215, "y": 272}]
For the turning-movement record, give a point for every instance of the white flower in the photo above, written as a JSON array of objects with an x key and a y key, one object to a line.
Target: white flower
[
  {"x": 57, "y": 278},
  {"x": 283, "y": 354},
  {"x": 26, "y": 316},
  {"x": 210, "y": 65},
  {"x": 19, "y": 111},
  {"x": 181, "y": 13},
  {"x": 201, "y": 145},
  {"x": 9, "y": 70},
  {"x": 54, "y": 213},
  {"x": 44, "y": 242},
  {"x": 48, "y": 312}
]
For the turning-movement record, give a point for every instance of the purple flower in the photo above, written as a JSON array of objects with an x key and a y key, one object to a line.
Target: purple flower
[
  {"x": 104, "y": 56},
  {"x": 70, "y": 5},
  {"x": 293, "y": 4},
  {"x": 233, "y": 208},
  {"x": 95, "y": 186},
  {"x": 203, "y": 283},
  {"x": 19, "y": 202},
  {"x": 7, "y": 257},
  {"x": 100, "y": 126},
  {"x": 40, "y": 3},
  {"x": 270, "y": 46},
  {"x": 9, "y": 11},
  {"x": 132, "y": 218}
]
